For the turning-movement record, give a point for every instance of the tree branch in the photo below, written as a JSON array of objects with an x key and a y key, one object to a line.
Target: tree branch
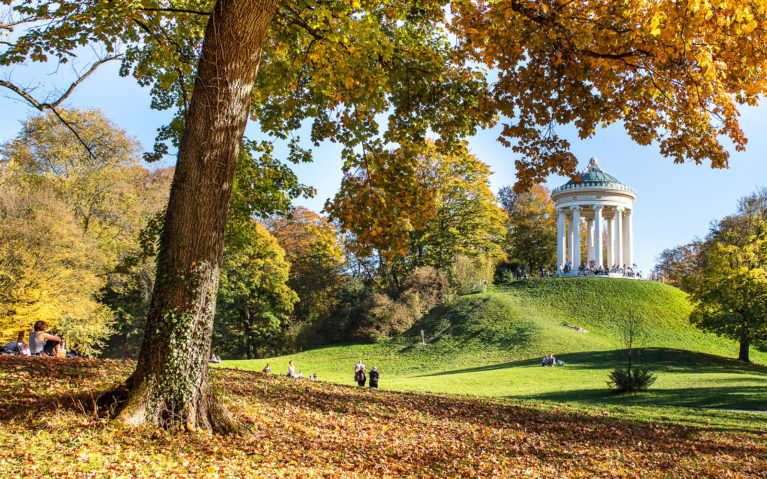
[
  {"x": 42, "y": 106},
  {"x": 176, "y": 10}
]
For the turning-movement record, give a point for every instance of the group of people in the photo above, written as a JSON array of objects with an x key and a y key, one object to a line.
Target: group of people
[
  {"x": 360, "y": 377},
  {"x": 214, "y": 358},
  {"x": 359, "y": 374},
  {"x": 40, "y": 343},
  {"x": 291, "y": 371},
  {"x": 591, "y": 269},
  {"x": 550, "y": 360}
]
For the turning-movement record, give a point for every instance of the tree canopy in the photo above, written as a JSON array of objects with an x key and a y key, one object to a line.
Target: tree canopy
[
  {"x": 530, "y": 227},
  {"x": 672, "y": 73}
]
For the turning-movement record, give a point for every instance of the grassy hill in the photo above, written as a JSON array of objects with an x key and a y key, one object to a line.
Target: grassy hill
[{"x": 490, "y": 344}]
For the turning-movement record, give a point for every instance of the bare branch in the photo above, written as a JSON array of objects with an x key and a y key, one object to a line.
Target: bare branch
[{"x": 42, "y": 106}]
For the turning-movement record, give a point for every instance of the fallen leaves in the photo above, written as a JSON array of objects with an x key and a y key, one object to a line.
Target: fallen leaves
[{"x": 315, "y": 429}]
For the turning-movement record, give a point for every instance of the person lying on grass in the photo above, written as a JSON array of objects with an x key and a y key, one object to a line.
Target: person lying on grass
[
  {"x": 42, "y": 343},
  {"x": 17, "y": 347}
]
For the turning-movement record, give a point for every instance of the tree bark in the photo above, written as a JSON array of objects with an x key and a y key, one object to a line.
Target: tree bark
[
  {"x": 170, "y": 386},
  {"x": 743, "y": 352}
]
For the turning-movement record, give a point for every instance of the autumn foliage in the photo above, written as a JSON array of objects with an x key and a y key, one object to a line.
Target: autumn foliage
[
  {"x": 673, "y": 73},
  {"x": 299, "y": 428}
]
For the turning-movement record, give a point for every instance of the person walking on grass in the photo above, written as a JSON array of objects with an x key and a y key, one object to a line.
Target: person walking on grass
[
  {"x": 359, "y": 374},
  {"x": 374, "y": 378}
]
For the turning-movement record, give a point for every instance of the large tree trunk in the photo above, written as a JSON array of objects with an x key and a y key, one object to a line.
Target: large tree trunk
[
  {"x": 743, "y": 353},
  {"x": 170, "y": 386}
]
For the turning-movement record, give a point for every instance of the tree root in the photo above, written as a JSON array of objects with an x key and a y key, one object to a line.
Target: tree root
[{"x": 131, "y": 407}]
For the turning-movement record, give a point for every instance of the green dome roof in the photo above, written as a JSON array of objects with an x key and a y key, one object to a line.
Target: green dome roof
[{"x": 593, "y": 175}]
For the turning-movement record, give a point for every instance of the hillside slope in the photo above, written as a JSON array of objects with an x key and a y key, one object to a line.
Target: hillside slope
[{"x": 491, "y": 344}]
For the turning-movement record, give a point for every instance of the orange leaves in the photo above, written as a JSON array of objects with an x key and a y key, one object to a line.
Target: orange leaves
[{"x": 671, "y": 72}]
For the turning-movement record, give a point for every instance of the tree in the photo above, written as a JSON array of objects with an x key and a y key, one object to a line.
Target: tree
[
  {"x": 315, "y": 255},
  {"x": 444, "y": 209},
  {"x": 676, "y": 264},
  {"x": 633, "y": 330},
  {"x": 673, "y": 73},
  {"x": 46, "y": 269},
  {"x": 531, "y": 227},
  {"x": 253, "y": 298},
  {"x": 729, "y": 293},
  {"x": 467, "y": 220},
  {"x": 668, "y": 71}
]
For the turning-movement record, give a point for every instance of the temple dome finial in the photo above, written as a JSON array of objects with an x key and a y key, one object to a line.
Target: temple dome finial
[{"x": 593, "y": 161}]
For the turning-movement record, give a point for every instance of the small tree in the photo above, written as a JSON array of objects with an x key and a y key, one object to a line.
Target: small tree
[{"x": 634, "y": 331}]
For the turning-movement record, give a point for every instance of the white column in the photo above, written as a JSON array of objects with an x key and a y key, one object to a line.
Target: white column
[
  {"x": 598, "y": 235},
  {"x": 560, "y": 239},
  {"x": 577, "y": 237},
  {"x": 589, "y": 241},
  {"x": 619, "y": 238},
  {"x": 610, "y": 242},
  {"x": 629, "y": 238},
  {"x": 570, "y": 240}
]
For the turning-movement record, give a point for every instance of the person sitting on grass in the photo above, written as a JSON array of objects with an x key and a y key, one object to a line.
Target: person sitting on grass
[
  {"x": 267, "y": 369},
  {"x": 291, "y": 369},
  {"x": 42, "y": 343}
]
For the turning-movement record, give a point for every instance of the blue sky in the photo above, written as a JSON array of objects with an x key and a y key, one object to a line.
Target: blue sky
[{"x": 675, "y": 203}]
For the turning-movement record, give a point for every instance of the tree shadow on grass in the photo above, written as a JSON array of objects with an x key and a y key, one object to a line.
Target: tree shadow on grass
[
  {"x": 457, "y": 326},
  {"x": 654, "y": 359},
  {"x": 748, "y": 398}
]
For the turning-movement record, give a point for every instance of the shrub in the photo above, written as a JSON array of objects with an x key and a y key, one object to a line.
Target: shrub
[
  {"x": 425, "y": 288},
  {"x": 467, "y": 275},
  {"x": 386, "y": 317},
  {"x": 630, "y": 380}
]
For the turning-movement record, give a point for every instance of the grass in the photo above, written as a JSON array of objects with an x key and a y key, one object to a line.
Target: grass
[
  {"x": 490, "y": 345},
  {"x": 299, "y": 428}
]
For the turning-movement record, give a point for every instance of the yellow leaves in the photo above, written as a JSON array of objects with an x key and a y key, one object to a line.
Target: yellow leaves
[{"x": 655, "y": 29}]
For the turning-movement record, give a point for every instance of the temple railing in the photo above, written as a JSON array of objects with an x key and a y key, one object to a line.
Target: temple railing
[{"x": 586, "y": 186}]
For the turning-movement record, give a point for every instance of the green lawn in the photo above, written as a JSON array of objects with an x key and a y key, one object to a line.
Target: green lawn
[{"x": 490, "y": 345}]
